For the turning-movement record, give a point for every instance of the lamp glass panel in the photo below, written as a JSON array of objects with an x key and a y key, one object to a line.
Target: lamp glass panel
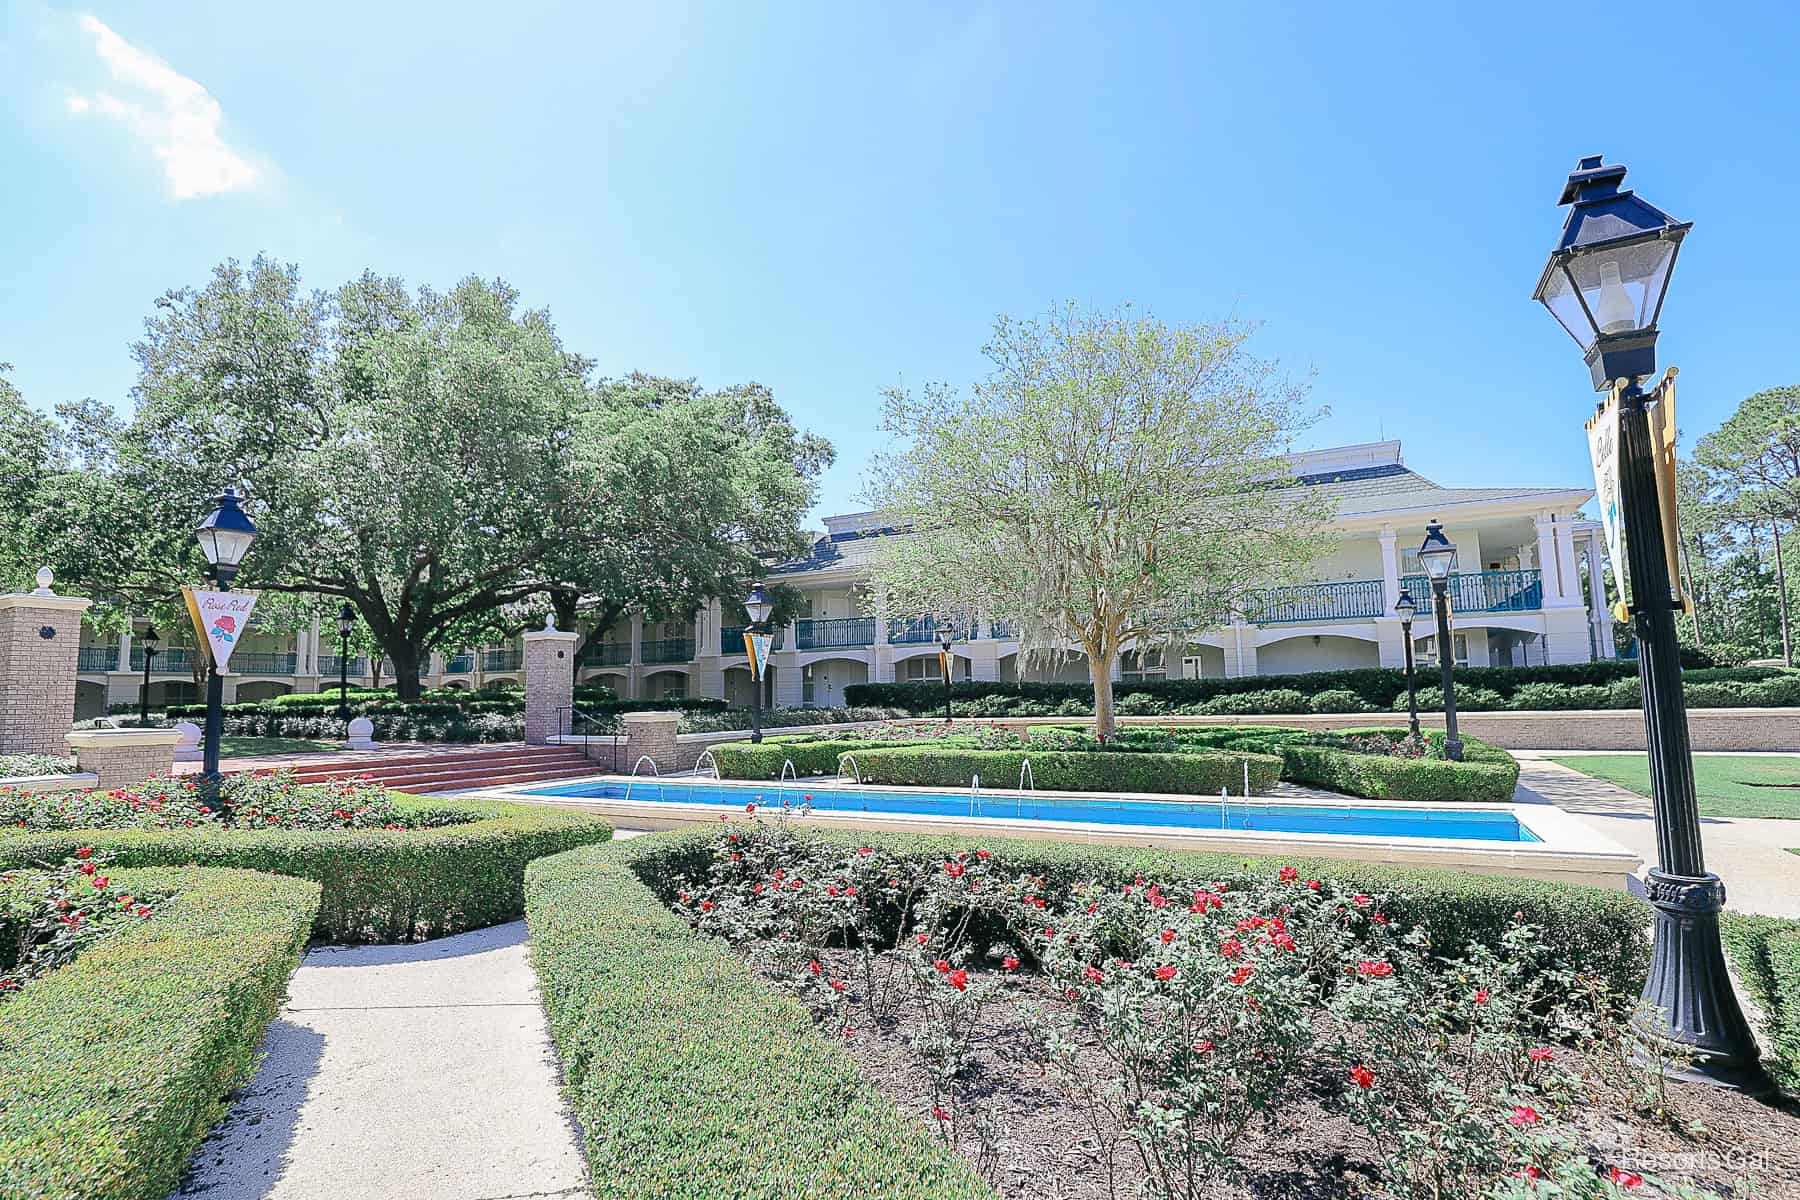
[
  {"x": 1622, "y": 284},
  {"x": 224, "y": 547},
  {"x": 1565, "y": 306}
]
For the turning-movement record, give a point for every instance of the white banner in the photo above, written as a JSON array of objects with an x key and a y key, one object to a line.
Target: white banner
[
  {"x": 757, "y": 645},
  {"x": 1603, "y": 447},
  {"x": 220, "y": 619}
]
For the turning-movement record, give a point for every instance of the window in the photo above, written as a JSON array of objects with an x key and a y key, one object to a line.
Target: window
[
  {"x": 923, "y": 667},
  {"x": 1426, "y": 649},
  {"x": 1410, "y": 564},
  {"x": 1141, "y": 666}
]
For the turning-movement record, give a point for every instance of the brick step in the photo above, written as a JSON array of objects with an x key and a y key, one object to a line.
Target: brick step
[
  {"x": 368, "y": 761},
  {"x": 479, "y": 776},
  {"x": 453, "y": 785},
  {"x": 349, "y": 768}
]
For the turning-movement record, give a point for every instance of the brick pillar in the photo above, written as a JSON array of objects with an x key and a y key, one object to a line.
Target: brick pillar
[
  {"x": 549, "y": 681},
  {"x": 40, "y": 644},
  {"x": 122, "y": 757},
  {"x": 652, "y": 735}
]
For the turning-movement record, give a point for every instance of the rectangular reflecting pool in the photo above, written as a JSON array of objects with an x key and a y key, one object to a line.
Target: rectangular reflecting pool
[{"x": 1233, "y": 815}]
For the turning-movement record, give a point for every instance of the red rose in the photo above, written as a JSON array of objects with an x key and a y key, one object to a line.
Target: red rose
[
  {"x": 1093, "y": 974},
  {"x": 1380, "y": 970},
  {"x": 1481, "y": 995},
  {"x": 1167, "y": 935},
  {"x": 815, "y": 967},
  {"x": 84, "y": 852},
  {"x": 706, "y": 906},
  {"x": 1288, "y": 874},
  {"x": 1242, "y": 974},
  {"x": 1010, "y": 963},
  {"x": 837, "y": 985},
  {"x": 1204, "y": 1046},
  {"x": 1625, "y": 1179},
  {"x": 1361, "y": 1076},
  {"x": 1164, "y": 974},
  {"x": 939, "y": 1113},
  {"x": 958, "y": 979},
  {"x": 1231, "y": 948},
  {"x": 1524, "y": 1116},
  {"x": 1541, "y": 1054}
]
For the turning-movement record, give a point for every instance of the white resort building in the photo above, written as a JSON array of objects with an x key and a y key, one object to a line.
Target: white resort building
[{"x": 1526, "y": 590}]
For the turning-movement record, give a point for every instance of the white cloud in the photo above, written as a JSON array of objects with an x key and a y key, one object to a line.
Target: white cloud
[{"x": 175, "y": 117}]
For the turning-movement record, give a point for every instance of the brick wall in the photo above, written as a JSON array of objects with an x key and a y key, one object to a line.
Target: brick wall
[
  {"x": 549, "y": 683},
  {"x": 37, "y": 673},
  {"x": 121, "y": 757}
]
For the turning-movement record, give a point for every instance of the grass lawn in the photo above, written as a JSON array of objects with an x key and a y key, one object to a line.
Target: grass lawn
[
  {"x": 1728, "y": 785},
  {"x": 246, "y": 747}
]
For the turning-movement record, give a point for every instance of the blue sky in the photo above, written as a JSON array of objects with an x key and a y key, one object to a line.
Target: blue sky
[{"x": 835, "y": 198}]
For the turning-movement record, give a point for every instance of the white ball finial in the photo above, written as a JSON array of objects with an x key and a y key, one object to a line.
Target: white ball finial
[
  {"x": 550, "y": 622},
  {"x": 45, "y": 576}
]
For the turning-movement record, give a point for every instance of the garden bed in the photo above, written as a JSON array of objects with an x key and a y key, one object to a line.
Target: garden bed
[
  {"x": 675, "y": 1051},
  {"x": 396, "y": 869},
  {"x": 117, "y": 1064}
]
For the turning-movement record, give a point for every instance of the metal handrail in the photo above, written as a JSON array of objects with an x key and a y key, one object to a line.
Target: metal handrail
[
  {"x": 731, "y": 639},
  {"x": 606, "y": 654},
  {"x": 818, "y": 633},
  {"x": 97, "y": 658},
  {"x": 668, "y": 650},
  {"x": 1485, "y": 591},
  {"x": 1347, "y": 599}
]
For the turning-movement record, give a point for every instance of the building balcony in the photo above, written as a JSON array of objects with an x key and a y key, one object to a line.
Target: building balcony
[
  {"x": 1486, "y": 591},
  {"x": 925, "y": 630},
  {"x": 332, "y": 666},
  {"x": 177, "y": 660},
  {"x": 459, "y": 664},
  {"x": 1348, "y": 600},
  {"x": 1003, "y": 630},
  {"x": 97, "y": 658},
  {"x": 668, "y": 650},
  {"x": 828, "y": 633},
  {"x": 263, "y": 662},
  {"x": 606, "y": 654},
  {"x": 731, "y": 639},
  {"x": 501, "y": 660}
]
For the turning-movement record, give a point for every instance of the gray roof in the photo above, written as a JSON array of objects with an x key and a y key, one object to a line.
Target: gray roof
[{"x": 1391, "y": 485}]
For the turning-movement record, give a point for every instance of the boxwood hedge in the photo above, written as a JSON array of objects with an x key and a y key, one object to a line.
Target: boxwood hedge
[
  {"x": 1487, "y": 774},
  {"x": 810, "y": 755},
  {"x": 116, "y": 1065},
  {"x": 1191, "y": 773},
  {"x": 675, "y": 1057},
  {"x": 1766, "y": 954},
  {"x": 379, "y": 885}
]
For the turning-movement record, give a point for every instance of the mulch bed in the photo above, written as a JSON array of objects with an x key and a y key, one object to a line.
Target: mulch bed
[{"x": 1047, "y": 1149}]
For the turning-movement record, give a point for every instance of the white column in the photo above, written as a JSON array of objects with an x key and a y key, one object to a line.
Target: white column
[
  {"x": 1390, "y": 570},
  {"x": 124, "y": 663},
  {"x": 881, "y": 619},
  {"x": 634, "y": 674},
  {"x": 1546, "y": 556},
  {"x": 1565, "y": 558},
  {"x": 312, "y": 650},
  {"x": 1598, "y": 614}
]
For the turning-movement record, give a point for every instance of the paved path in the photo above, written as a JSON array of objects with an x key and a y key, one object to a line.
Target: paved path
[
  {"x": 1750, "y": 854},
  {"x": 419, "y": 1072}
]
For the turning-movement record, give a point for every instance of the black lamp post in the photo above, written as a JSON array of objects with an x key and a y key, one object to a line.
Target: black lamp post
[
  {"x": 757, "y": 607},
  {"x": 1404, "y": 608},
  {"x": 945, "y": 641},
  {"x": 151, "y": 642},
  {"x": 1605, "y": 284},
  {"x": 225, "y": 536},
  {"x": 346, "y": 623},
  {"x": 1438, "y": 555}
]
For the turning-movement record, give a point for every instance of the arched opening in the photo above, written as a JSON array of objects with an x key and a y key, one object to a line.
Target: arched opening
[
  {"x": 607, "y": 679},
  {"x": 1068, "y": 668},
  {"x": 1304, "y": 652},
  {"x": 822, "y": 683},
  {"x": 457, "y": 685},
  {"x": 261, "y": 689},
  {"x": 90, "y": 700},
  {"x": 666, "y": 685},
  {"x": 738, "y": 688},
  {"x": 164, "y": 692}
]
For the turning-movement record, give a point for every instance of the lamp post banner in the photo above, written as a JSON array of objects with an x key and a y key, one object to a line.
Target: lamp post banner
[
  {"x": 756, "y": 645},
  {"x": 220, "y": 619},
  {"x": 1661, "y": 409},
  {"x": 1603, "y": 447}
]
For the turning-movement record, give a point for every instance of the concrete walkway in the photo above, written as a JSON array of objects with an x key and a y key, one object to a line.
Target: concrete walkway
[
  {"x": 420, "y": 1072},
  {"x": 1750, "y": 854}
]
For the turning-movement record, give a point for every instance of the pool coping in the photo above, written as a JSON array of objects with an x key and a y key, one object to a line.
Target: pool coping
[{"x": 1570, "y": 850}]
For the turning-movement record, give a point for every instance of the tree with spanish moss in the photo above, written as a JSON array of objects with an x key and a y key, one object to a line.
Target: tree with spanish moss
[{"x": 1113, "y": 483}]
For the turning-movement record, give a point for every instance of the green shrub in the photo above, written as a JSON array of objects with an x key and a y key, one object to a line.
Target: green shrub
[
  {"x": 1487, "y": 774},
  {"x": 1765, "y": 951},
  {"x": 1468, "y": 699},
  {"x": 1194, "y": 773},
  {"x": 1272, "y": 700},
  {"x": 379, "y": 885},
  {"x": 117, "y": 1064},
  {"x": 810, "y": 755},
  {"x": 674, "y": 1056},
  {"x": 1337, "y": 700},
  {"x": 14, "y": 766}
]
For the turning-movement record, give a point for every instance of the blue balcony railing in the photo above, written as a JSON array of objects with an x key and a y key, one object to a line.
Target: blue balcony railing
[
  {"x": 176, "y": 660},
  {"x": 824, "y": 633},
  {"x": 97, "y": 658},
  {"x": 501, "y": 660},
  {"x": 262, "y": 662},
  {"x": 330, "y": 664},
  {"x": 606, "y": 654},
  {"x": 1345, "y": 600},
  {"x": 923, "y": 629},
  {"x": 668, "y": 650},
  {"x": 459, "y": 664},
  {"x": 1486, "y": 591},
  {"x": 1004, "y": 630},
  {"x": 731, "y": 639}
]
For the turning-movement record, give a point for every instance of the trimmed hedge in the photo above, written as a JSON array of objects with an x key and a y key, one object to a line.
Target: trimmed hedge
[
  {"x": 379, "y": 885},
  {"x": 1610, "y": 683},
  {"x": 117, "y": 1065},
  {"x": 1487, "y": 774},
  {"x": 810, "y": 755},
  {"x": 1191, "y": 772},
  {"x": 1766, "y": 954},
  {"x": 674, "y": 1056}
]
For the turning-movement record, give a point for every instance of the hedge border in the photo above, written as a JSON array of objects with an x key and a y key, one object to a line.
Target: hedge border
[
  {"x": 1765, "y": 951},
  {"x": 379, "y": 885},
  {"x": 1188, "y": 773},
  {"x": 674, "y": 1055},
  {"x": 1486, "y": 775},
  {"x": 117, "y": 1065}
]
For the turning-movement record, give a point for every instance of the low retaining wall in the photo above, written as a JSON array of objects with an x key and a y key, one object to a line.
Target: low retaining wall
[{"x": 608, "y": 752}]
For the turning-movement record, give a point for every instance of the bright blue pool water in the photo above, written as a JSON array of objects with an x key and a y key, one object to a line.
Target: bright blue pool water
[{"x": 1188, "y": 813}]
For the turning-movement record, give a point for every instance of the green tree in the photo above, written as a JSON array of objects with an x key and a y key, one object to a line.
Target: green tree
[
  {"x": 1753, "y": 466},
  {"x": 1114, "y": 481},
  {"x": 27, "y": 458}
]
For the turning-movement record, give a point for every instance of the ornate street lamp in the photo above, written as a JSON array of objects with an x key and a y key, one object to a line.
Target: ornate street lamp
[
  {"x": 946, "y": 639},
  {"x": 346, "y": 623},
  {"x": 1404, "y": 608},
  {"x": 757, "y": 606},
  {"x": 225, "y": 536},
  {"x": 151, "y": 642},
  {"x": 1605, "y": 283},
  {"x": 1438, "y": 555}
]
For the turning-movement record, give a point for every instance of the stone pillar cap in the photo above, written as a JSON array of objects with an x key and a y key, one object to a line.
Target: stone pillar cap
[
  {"x": 94, "y": 739},
  {"x": 655, "y": 716}
]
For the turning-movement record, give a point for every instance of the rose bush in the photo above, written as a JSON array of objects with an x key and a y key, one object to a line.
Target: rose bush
[
  {"x": 1175, "y": 1012},
  {"x": 251, "y": 801},
  {"x": 50, "y": 916}
]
